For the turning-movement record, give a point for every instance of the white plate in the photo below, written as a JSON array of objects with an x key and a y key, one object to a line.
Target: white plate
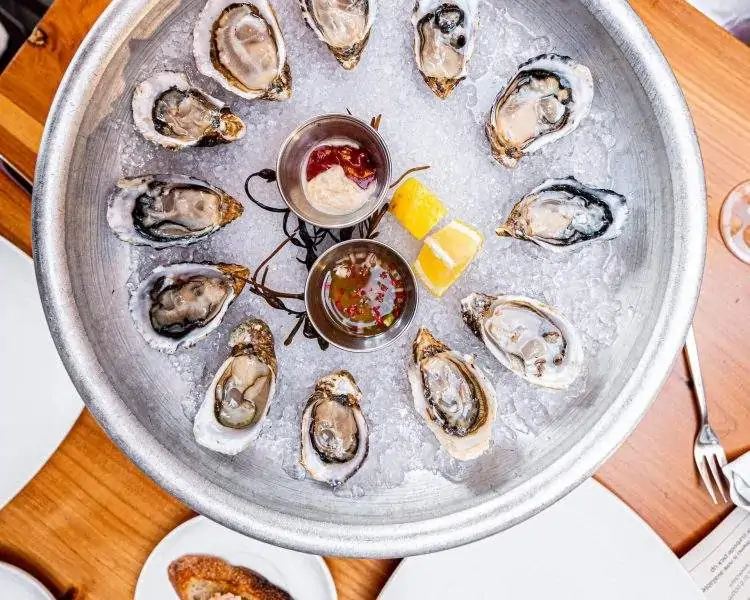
[
  {"x": 304, "y": 576},
  {"x": 587, "y": 546},
  {"x": 16, "y": 584},
  {"x": 38, "y": 403}
]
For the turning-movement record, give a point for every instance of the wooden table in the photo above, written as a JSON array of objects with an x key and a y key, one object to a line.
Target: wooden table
[{"x": 90, "y": 517}]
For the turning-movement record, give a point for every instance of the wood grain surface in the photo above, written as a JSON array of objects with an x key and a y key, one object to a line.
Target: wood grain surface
[{"x": 90, "y": 517}]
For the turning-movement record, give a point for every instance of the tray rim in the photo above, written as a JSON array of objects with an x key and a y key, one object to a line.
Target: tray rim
[{"x": 320, "y": 537}]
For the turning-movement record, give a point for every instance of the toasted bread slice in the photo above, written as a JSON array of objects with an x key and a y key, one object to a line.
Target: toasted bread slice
[{"x": 198, "y": 577}]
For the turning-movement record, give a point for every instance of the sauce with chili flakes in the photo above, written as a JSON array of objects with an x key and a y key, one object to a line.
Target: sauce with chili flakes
[
  {"x": 364, "y": 294},
  {"x": 357, "y": 163}
]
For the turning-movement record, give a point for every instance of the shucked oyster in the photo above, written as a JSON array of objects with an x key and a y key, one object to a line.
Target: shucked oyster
[
  {"x": 178, "y": 305},
  {"x": 444, "y": 38},
  {"x": 241, "y": 392},
  {"x": 546, "y": 100},
  {"x": 168, "y": 210},
  {"x": 334, "y": 433},
  {"x": 564, "y": 214},
  {"x": 168, "y": 111},
  {"x": 240, "y": 45},
  {"x": 343, "y": 25},
  {"x": 531, "y": 339},
  {"x": 453, "y": 396}
]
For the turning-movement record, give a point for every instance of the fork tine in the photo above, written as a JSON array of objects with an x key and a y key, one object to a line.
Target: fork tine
[
  {"x": 701, "y": 464},
  {"x": 712, "y": 463}
]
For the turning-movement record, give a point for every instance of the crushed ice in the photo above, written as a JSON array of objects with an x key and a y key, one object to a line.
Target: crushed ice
[{"x": 420, "y": 130}]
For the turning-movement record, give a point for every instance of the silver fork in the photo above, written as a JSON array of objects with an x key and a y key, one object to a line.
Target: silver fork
[{"x": 707, "y": 449}]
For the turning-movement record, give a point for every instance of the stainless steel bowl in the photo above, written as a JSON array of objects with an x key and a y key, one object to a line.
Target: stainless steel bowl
[
  {"x": 79, "y": 264},
  {"x": 330, "y": 330},
  {"x": 305, "y": 138}
]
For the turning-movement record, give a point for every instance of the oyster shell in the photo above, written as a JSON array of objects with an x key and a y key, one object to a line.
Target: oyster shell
[
  {"x": 334, "y": 432},
  {"x": 453, "y": 396},
  {"x": 238, "y": 399},
  {"x": 240, "y": 45},
  {"x": 444, "y": 38},
  {"x": 177, "y": 305},
  {"x": 546, "y": 100},
  {"x": 168, "y": 210},
  {"x": 169, "y": 111},
  {"x": 564, "y": 214},
  {"x": 531, "y": 339},
  {"x": 343, "y": 25}
]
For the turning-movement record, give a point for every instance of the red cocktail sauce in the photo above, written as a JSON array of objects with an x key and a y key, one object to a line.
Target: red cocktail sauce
[{"x": 357, "y": 163}]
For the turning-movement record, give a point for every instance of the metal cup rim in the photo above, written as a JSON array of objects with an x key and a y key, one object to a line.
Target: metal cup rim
[
  {"x": 386, "y": 152},
  {"x": 324, "y": 258}
]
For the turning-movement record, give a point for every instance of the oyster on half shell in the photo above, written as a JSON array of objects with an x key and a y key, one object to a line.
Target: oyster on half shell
[
  {"x": 453, "y": 396},
  {"x": 169, "y": 111},
  {"x": 444, "y": 39},
  {"x": 168, "y": 210},
  {"x": 545, "y": 100},
  {"x": 528, "y": 337},
  {"x": 238, "y": 399},
  {"x": 564, "y": 214},
  {"x": 240, "y": 45},
  {"x": 178, "y": 305},
  {"x": 334, "y": 433},
  {"x": 343, "y": 25}
]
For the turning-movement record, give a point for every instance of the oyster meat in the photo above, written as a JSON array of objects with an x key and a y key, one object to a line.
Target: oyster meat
[
  {"x": 531, "y": 339},
  {"x": 453, "y": 396},
  {"x": 334, "y": 432},
  {"x": 240, "y": 45},
  {"x": 444, "y": 38},
  {"x": 546, "y": 100},
  {"x": 343, "y": 25},
  {"x": 169, "y": 111},
  {"x": 564, "y": 214},
  {"x": 241, "y": 392},
  {"x": 168, "y": 210},
  {"x": 177, "y": 305}
]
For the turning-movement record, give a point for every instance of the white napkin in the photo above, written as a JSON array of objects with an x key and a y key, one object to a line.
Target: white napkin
[{"x": 737, "y": 473}]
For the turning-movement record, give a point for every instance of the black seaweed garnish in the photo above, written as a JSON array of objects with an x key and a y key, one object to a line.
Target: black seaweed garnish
[{"x": 312, "y": 242}]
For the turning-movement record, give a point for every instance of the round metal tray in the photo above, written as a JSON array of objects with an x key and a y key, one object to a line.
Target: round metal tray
[{"x": 79, "y": 264}]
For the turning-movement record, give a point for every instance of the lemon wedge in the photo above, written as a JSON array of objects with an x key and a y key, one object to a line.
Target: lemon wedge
[
  {"x": 416, "y": 208},
  {"x": 446, "y": 254}
]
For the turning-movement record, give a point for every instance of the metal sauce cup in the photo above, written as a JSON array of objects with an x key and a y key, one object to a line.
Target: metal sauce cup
[
  {"x": 316, "y": 131},
  {"x": 334, "y": 332}
]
